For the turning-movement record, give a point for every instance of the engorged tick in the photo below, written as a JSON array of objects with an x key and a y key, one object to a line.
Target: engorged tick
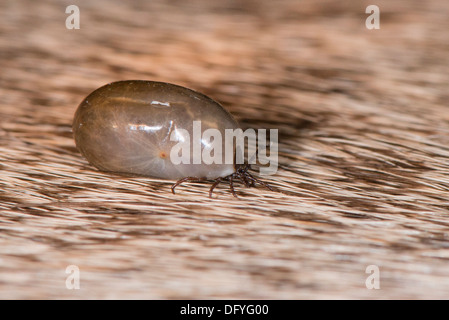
[{"x": 126, "y": 126}]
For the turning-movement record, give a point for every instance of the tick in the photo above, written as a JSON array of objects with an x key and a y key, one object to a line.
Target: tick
[{"x": 132, "y": 126}]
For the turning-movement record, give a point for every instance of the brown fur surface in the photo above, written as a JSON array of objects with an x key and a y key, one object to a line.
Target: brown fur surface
[{"x": 364, "y": 134}]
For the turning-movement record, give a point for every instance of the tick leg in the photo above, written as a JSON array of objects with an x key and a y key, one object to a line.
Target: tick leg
[
  {"x": 266, "y": 185},
  {"x": 231, "y": 186},
  {"x": 244, "y": 175},
  {"x": 216, "y": 183},
  {"x": 245, "y": 181},
  {"x": 190, "y": 179}
]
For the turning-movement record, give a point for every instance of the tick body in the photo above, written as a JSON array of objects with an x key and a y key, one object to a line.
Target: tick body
[{"x": 126, "y": 127}]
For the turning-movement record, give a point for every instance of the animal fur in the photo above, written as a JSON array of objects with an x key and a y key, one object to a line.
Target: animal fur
[{"x": 364, "y": 160}]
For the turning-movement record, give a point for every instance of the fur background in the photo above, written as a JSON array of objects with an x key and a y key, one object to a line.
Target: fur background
[{"x": 364, "y": 158}]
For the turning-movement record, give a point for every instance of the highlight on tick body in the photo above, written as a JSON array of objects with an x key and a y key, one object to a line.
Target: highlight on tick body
[{"x": 209, "y": 147}]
